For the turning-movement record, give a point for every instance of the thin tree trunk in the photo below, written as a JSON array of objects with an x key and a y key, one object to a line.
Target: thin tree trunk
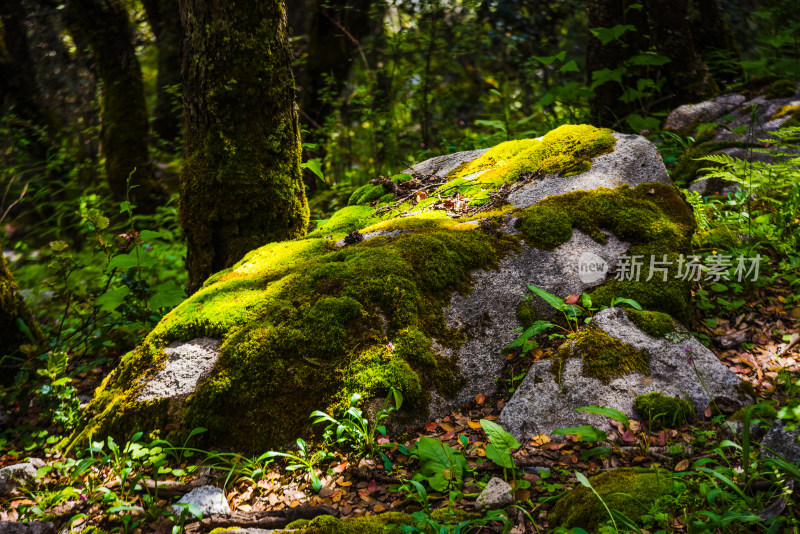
[
  {"x": 14, "y": 319},
  {"x": 241, "y": 186},
  {"x": 165, "y": 20},
  {"x": 124, "y": 111}
]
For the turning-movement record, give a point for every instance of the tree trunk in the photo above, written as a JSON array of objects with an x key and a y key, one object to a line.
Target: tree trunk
[
  {"x": 688, "y": 77},
  {"x": 14, "y": 318},
  {"x": 241, "y": 185},
  {"x": 124, "y": 111},
  {"x": 714, "y": 40},
  {"x": 18, "y": 87},
  {"x": 606, "y": 107},
  {"x": 165, "y": 21}
]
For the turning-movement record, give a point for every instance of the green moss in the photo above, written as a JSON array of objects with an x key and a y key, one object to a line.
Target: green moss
[
  {"x": 346, "y": 220},
  {"x": 765, "y": 411},
  {"x": 303, "y": 326},
  {"x": 366, "y": 194},
  {"x": 375, "y": 524},
  {"x": 603, "y": 357},
  {"x": 654, "y": 218},
  {"x": 658, "y": 409},
  {"x": 527, "y": 314},
  {"x": 497, "y": 156},
  {"x": 781, "y": 89},
  {"x": 566, "y": 150},
  {"x": 793, "y": 112},
  {"x": 653, "y": 323},
  {"x": 627, "y": 490},
  {"x": 721, "y": 238}
]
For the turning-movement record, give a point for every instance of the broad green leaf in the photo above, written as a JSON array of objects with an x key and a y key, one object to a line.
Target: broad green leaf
[
  {"x": 582, "y": 479},
  {"x": 549, "y": 298},
  {"x": 315, "y": 166},
  {"x": 606, "y": 35},
  {"x": 439, "y": 464},
  {"x": 498, "y": 436},
  {"x": 166, "y": 295},
  {"x": 499, "y": 457},
  {"x": 630, "y": 302},
  {"x": 614, "y": 414},
  {"x": 112, "y": 299},
  {"x": 584, "y": 433},
  {"x": 534, "y": 330},
  {"x": 570, "y": 66},
  {"x": 149, "y": 235}
]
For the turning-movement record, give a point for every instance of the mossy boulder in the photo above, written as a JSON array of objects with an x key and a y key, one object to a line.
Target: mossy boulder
[
  {"x": 398, "y": 289},
  {"x": 721, "y": 125},
  {"x": 612, "y": 363},
  {"x": 660, "y": 410},
  {"x": 627, "y": 490},
  {"x": 389, "y": 522}
]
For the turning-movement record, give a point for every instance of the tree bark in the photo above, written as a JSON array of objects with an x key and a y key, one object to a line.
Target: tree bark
[
  {"x": 18, "y": 87},
  {"x": 13, "y": 312},
  {"x": 165, "y": 21},
  {"x": 688, "y": 77},
  {"x": 606, "y": 107},
  {"x": 124, "y": 111},
  {"x": 241, "y": 185}
]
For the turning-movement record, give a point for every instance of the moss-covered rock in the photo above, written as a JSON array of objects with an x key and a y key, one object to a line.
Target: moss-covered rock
[
  {"x": 661, "y": 410},
  {"x": 656, "y": 324},
  {"x": 388, "y": 522},
  {"x": 627, "y": 490},
  {"x": 602, "y": 356},
  {"x": 305, "y": 324}
]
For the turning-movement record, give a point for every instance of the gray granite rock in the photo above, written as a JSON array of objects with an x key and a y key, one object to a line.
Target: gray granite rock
[
  {"x": 684, "y": 119},
  {"x": 634, "y": 161},
  {"x": 781, "y": 441},
  {"x": 441, "y": 165},
  {"x": 544, "y": 401},
  {"x": 209, "y": 499},
  {"x": 488, "y": 314},
  {"x": 17, "y": 475},
  {"x": 497, "y": 494},
  {"x": 186, "y": 365}
]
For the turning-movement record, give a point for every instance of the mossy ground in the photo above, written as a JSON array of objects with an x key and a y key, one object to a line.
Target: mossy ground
[
  {"x": 303, "y": 324},
  {"x": 659, "y": 410},
  {"x": 627, "y": 490}
]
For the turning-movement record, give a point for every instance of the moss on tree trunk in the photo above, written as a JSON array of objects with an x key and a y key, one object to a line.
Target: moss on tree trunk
[
  {"x": 241, "y": 186},
  {"x": 12, "y": 312},
  {"x": 124, "y": 110}
]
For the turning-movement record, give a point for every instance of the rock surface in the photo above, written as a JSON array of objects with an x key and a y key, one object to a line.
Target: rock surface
[
  {"x": 544, "y": 402},
  {"x": 423, "y": 297},
  {"x": 18, "y": 474},
  {"x": 209, "y": 499},
  {"x": 781, "y": 441},
  {"x": 34, "y": 527},
  {"x": 497, "y": 494},
  {"x": 187, "y": 363}
]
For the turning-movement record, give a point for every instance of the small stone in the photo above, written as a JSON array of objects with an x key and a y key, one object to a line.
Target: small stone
[
  {"x": 783, "y": 442},
  {"x": 209, "y": 499},
  {"x": 34, "y": 527},
  {"x": 17, "y": 474},
  {"x": 498, "y": 494}
]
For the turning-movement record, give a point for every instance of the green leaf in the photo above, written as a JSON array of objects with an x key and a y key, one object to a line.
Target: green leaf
[
  {"x": 606, "y": 35},
  {"x": 534, "y": 330},
  {"x": 548, "y": 60},
  {"x": 166, "y": 295},
  {"x": 499, "y": 436},
  {"x": 600, "y": 77},
  {"x": 570, "y": 66},
  {"x": 122, "y": 262},
  {"x": 25, "y": 330},
  {"x": 149, "y": 235},
  {"x": 719, "y": 288},
  {"x": 614, "y": 414},
  {"x": 549, "y": 298},
  {"x": 439, "y": 464},
  {"x": 649, "y": 58},
  {"x": 112, "y": 299},
  {"x": 582, "y": 479},
  {"x": 584, "y": 433},
  {"x": 499, "y": 457},
  {"x": 315, "y": 166},
  {"x": 124, "y": 206},
  {"x": 630, "y": 302}
]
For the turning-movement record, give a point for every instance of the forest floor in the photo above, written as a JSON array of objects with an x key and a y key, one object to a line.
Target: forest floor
[{"x": 759, "y": 344}]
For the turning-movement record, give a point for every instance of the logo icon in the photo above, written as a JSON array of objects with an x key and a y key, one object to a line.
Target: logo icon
[{"x": 591, "y": 268}]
